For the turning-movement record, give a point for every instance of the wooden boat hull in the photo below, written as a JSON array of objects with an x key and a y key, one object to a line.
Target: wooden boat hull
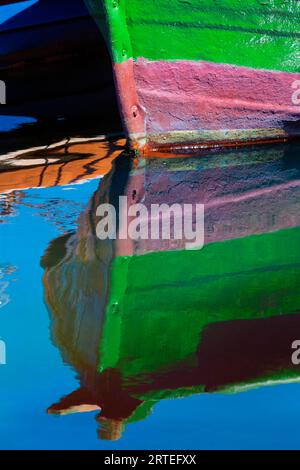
[{"x": 204, "y": 72}]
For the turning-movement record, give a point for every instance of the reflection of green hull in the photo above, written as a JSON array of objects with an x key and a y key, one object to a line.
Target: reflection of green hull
[
  {"x": 160, "y": 303},
  {"x": 140, "y": 323}
]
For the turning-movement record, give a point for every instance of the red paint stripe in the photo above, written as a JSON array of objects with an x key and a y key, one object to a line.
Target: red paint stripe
[{"x": 194, "y": 95}]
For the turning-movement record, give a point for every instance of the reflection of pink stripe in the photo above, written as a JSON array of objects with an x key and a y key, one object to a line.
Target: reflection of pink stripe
[
  {"x": 238, "y": 201},
  {"x": 194, "y": 95}
]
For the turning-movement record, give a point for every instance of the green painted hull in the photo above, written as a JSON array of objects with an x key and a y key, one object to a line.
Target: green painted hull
[
  {"x": 204, "y": 72},
  {"x": 254, "y": 34}
]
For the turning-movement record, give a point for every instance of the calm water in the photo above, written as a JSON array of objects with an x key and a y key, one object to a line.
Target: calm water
[{"x": 227, "y": 331}]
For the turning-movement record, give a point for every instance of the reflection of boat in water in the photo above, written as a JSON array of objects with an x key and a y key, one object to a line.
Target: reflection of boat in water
[
  {"x": 143, "y": 321},
  {"x": 5, "y": 271}
]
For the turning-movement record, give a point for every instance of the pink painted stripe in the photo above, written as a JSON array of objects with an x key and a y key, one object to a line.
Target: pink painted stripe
[{"x": 195, "y": 95}]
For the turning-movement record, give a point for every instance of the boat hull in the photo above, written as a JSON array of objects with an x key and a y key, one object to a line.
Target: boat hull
[
  {"x": 205, "y": 73},
  {"x": 57, "y": 71}
]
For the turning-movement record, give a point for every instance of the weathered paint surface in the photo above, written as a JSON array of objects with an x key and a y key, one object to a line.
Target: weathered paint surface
[
  {"x": 253, "y": 33},
  {"x": 209, "y": 98},
  {"x": 204, "y": 71}
]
